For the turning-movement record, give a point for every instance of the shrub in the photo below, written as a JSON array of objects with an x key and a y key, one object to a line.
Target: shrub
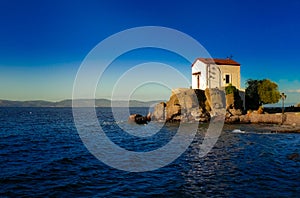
[{"x": 230, "y": 89}]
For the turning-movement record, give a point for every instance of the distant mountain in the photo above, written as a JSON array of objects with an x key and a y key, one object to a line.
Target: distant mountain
[{"x": 82, "y": 102}]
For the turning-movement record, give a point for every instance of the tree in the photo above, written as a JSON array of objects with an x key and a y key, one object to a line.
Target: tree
[
  {"x": 268, "y": 92},
  {"x": 251, "y": 95},
  {"x": 259, "y": 92}
]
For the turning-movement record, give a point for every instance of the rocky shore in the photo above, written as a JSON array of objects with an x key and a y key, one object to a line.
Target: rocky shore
[
  {"x": 290, "y": 118},
  {"x": 186, "y": 105}
]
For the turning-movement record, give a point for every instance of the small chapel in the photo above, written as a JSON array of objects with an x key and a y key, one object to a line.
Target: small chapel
[{"x": 215, "y": 73}]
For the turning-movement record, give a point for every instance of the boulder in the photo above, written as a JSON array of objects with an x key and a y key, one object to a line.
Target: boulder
[
  {"x": 234, "y": 104},
  {"x": 139, "y": 119},
  {"x": 184, "y": 105},
  {"x": 244, "y": 119},
  {"x": 173, "y": 111},
  {"x": 235, "y": 112},
  {"x": 234, "y": 101},
  {"x": 292, "y": 119},
  {"x": 215, "y": 98},
  {"x": 159, "y": 113},
  {"x": 216, "y": 101},
  {"x": 198, "y": 114},
  {"x": 233, "y": 119},
  {"x": 266, "y": 118}
]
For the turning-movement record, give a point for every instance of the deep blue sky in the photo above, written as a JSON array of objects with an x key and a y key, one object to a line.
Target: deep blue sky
[{"x": 42, "y": 43}]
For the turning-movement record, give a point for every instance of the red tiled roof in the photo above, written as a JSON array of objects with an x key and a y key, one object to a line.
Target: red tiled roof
[{"x": 218, "y": 61}]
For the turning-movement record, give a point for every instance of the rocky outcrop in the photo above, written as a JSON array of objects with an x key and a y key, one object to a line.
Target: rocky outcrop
[
  {"x": 292, "y": 119},
  {"x": 190, "y": 105},
  {"x": 159, "y": 113},
  {"x": 265, "y": 118},
  {"x": 215, "y": 102},
  {"x": 234, "y": 108},
  {"x": 197, "y": 105},
  {"x": 289, "y": 118}
]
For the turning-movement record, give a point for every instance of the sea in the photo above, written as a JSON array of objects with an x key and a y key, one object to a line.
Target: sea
[{"x": 43, "y": 155}]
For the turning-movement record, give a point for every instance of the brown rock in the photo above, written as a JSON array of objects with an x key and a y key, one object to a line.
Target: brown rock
[
  {"x": 235, "y": 112},
  {"x": 244, "y": 119},
  {"x": 216, "y": 98},
  {"x": 159, "y": 113},
  {"x": 172, "y": 111},
  {"x": 265, "y": 118},
  {"x": 233, "y": 119},
  {"x": 139, "y": 119},
  {"x": 234, "y": 101}
]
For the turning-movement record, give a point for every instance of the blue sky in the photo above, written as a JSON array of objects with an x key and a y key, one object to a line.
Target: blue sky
[{"x": 42, "y": 43}]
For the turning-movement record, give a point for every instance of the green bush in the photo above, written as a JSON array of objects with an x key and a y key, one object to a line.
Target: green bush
[{"x": 230, "y": 89}]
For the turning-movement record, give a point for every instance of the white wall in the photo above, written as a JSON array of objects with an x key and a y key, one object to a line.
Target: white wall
[
  {"x": 215, "y": 79},
  {"x": 199, "y": 67},
  {"x": 217, "y": 75}
]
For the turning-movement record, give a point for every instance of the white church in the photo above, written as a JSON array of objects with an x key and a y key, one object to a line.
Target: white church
[{"x": 215, "y": 72}]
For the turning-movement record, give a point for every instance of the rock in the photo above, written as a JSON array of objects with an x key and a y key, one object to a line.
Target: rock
[
  {"x": 184, "y": 105},
  {"x": 139, "y": 119},
  {"x": 244, "y": 119},
  {"x": 216, "y": 101},
  {"x": 149, "y": 115},
  {"x": 216, "y": 98},
  {"x": 235, "y": 112},
  {"x": 172, "y": 111},
  {"x": 233, "y": 119},
  {"x": 234, "y": 101},
  {"x": 234, "y": 106},
  {"x": 292, "y": 119},
  {"x": 187, "y": 105},
  {"x": 198, "y": 105},
  {"x": 190, "y": 102},
  {"x": 196, "y": 113},
  {"x": 265, "y": 118},
  {"x": 159, "y": 113},
  {"x": 204, "y": 119},
  {"x": 260, "y": 110},
  {"x": 186, "y": 98}
]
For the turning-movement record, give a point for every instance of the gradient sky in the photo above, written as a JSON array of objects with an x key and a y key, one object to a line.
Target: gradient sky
[{"x": 42, "y": 43}]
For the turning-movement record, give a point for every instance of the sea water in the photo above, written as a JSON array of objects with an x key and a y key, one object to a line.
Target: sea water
[{"x": 41, "y": 154}]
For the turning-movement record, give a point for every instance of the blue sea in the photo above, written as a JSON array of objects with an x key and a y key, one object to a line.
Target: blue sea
[{"x": 42, "y": 155}]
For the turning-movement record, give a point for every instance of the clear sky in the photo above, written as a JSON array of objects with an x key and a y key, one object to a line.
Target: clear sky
[{"x": 42, "y": 43}]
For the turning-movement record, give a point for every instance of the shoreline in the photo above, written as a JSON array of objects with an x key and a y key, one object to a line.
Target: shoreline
[{"x": 272, "y": 128}]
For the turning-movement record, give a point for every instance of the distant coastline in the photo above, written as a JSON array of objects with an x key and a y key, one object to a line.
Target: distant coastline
[
  {"x": 84, "y": 102},
  {"x": 98, "y": 102}
]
